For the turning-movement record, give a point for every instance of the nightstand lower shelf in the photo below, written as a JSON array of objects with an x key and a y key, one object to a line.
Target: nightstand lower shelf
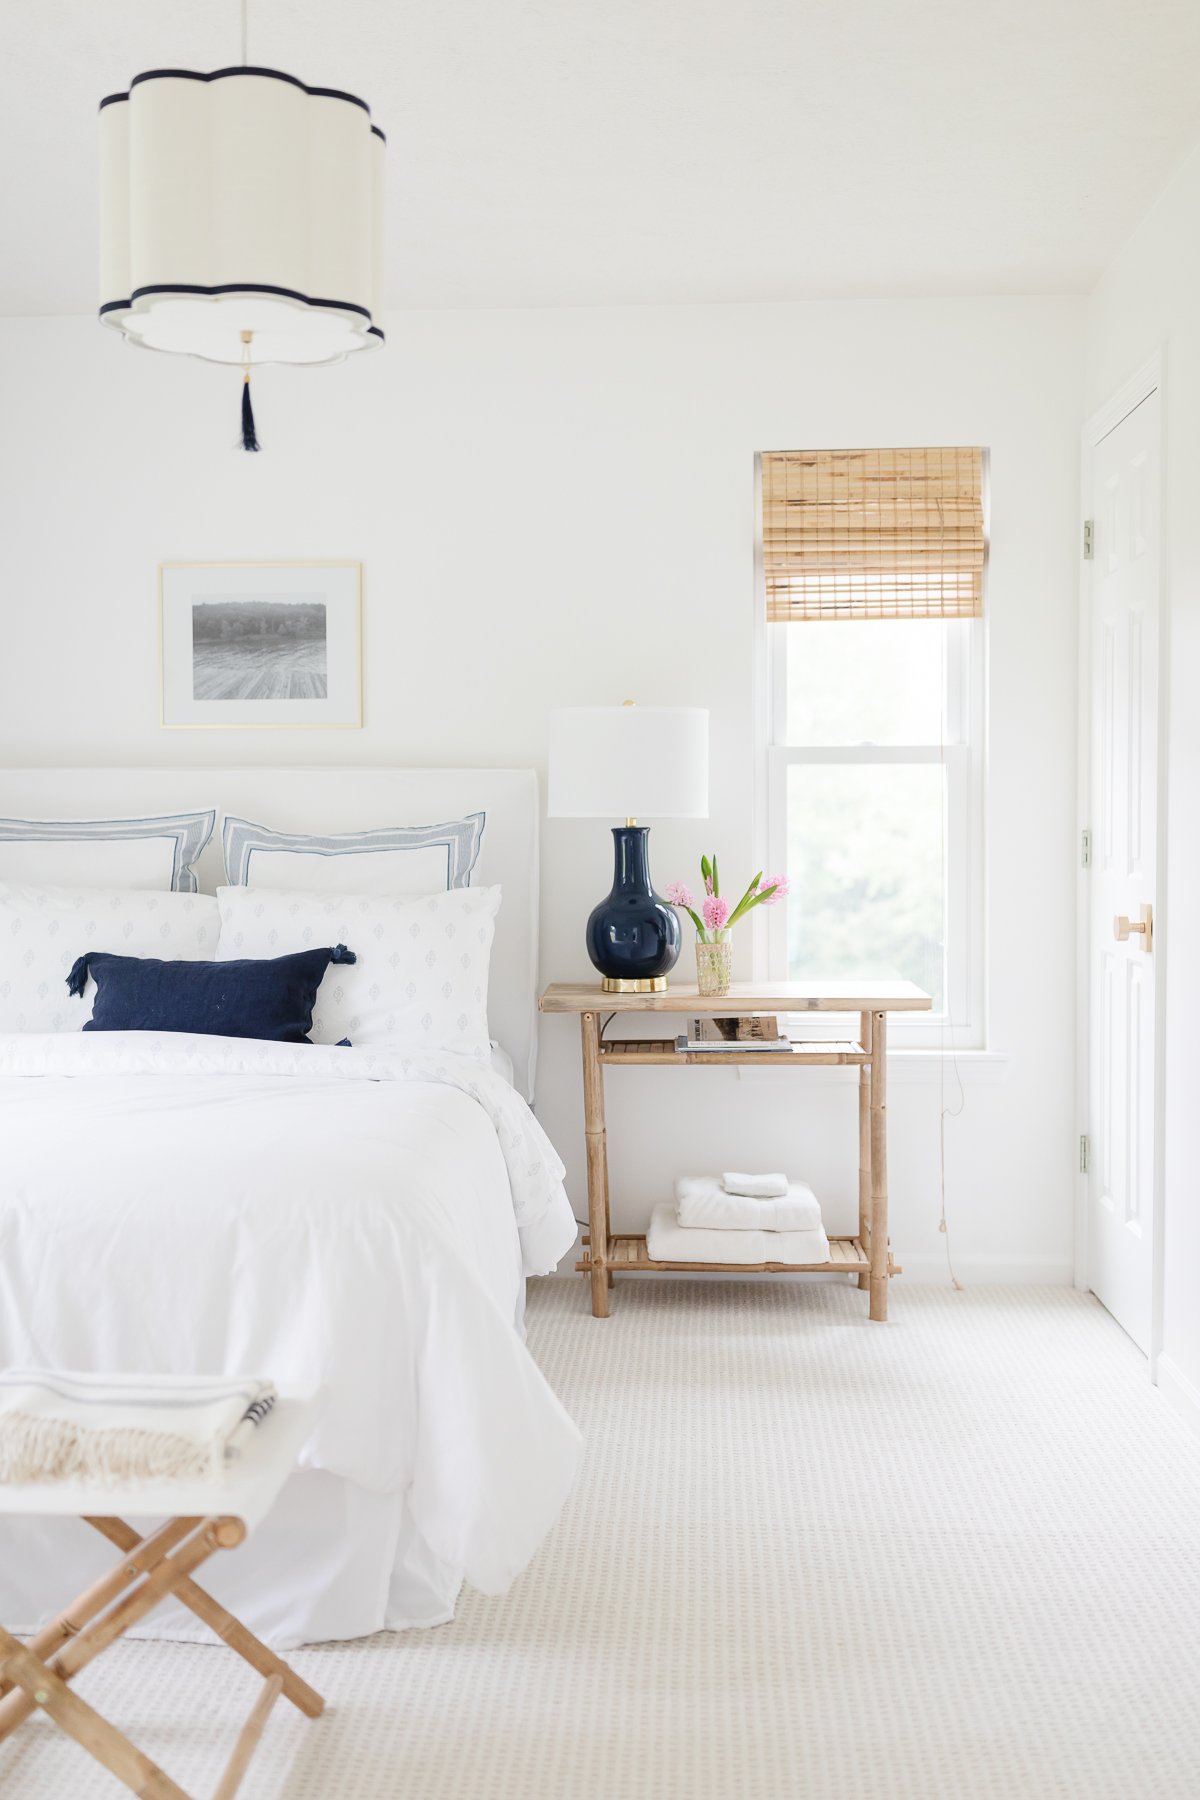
[{"x": 627, "y": 1256}]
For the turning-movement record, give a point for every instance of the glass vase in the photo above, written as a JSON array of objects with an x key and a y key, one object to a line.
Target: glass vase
[{"x": 714, "y": 965}]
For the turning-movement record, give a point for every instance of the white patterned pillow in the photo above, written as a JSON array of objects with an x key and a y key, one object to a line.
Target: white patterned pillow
[
  {"x": 43, "y": 930},
  {"x": 421, "y": 979}
]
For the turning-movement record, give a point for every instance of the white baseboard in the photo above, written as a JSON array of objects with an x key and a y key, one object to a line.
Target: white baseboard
[
  {"x": 930, "y": 1271},
  {"x": 989, "y": 1271},
  {"x": 1181, "y": 1393}
]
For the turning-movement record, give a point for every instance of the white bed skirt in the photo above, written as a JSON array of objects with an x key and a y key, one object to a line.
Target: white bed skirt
[
  {"x": 329, "y": 1561},
  {"x": 348, "y": 1224}
]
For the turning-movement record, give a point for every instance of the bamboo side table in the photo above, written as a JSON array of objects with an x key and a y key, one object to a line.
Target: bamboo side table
[{"x": 867, "y": 1255}]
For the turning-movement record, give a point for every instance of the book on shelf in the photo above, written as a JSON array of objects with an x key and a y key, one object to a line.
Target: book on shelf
[{"x": 753, "y": 1033}]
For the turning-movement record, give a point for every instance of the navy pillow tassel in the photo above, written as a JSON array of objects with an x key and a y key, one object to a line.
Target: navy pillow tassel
[{"x": 77, "y": 979}]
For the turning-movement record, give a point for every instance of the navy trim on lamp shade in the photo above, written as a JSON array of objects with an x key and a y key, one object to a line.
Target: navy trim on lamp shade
[{"x": 633, "y": 935}]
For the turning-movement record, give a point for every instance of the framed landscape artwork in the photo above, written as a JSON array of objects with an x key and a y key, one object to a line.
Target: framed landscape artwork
[{"x": 256, "y": 645}]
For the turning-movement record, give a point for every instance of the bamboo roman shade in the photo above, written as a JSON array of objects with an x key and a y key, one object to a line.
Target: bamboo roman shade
[{"x": 873, "y": 534}]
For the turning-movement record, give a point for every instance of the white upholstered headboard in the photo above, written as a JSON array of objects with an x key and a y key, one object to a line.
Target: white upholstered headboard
[{"x": 351, "y": 799}]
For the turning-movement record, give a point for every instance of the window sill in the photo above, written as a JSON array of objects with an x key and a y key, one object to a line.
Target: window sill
[
  {"x": 907, "y": 1068},
  {"x": 977, "y": 1068}
]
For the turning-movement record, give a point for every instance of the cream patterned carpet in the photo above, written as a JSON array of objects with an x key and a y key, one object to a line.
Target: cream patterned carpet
[{"x": 953, "y": 1558}]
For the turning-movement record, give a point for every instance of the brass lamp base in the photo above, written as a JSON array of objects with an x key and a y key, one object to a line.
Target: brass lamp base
[{"x": 617, "y": 984}]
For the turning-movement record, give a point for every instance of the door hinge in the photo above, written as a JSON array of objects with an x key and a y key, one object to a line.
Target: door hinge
[
  {"x": 1085, "y": 1151},
  {"x": 1089, "y": 539},
  {"x": 1085, "y": 849}
]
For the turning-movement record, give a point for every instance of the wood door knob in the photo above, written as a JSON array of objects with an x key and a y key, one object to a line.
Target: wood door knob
[{"x": 1142, "y": 927}]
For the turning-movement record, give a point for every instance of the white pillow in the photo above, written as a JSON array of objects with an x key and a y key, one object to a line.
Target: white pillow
[
  {"x": 43, "y": 930},
  {"x": 396, "y": 859},
  {"x": 105, "y": 853},
  {"x": 421, "y": 979}
]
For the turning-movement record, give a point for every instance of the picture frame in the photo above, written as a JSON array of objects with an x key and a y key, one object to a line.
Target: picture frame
[{"x": 260, "y": 646}]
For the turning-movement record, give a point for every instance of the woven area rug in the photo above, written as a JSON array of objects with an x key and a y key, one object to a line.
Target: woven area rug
[{"x": 956, "y": 1557}]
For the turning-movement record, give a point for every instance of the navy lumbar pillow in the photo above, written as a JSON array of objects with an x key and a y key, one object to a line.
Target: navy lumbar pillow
[{"x": 264, "y": 997}]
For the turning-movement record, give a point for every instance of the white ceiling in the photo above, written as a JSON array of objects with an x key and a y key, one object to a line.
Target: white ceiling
[{"x": 552, "y": 152}]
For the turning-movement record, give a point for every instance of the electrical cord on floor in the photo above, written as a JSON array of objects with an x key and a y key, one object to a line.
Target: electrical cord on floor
[{"x": 945, "y": 1112}]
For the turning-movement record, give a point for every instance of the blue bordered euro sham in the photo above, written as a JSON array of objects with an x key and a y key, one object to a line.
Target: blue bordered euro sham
[
  {"x": 396, "y": 859},
  {"x": 158, "y": 853}
]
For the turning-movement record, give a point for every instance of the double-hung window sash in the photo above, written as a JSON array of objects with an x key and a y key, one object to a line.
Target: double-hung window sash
[{"x": 859, "y": 536}]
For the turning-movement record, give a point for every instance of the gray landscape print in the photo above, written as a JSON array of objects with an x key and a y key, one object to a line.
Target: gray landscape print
[{"x": 259, "y": 650}]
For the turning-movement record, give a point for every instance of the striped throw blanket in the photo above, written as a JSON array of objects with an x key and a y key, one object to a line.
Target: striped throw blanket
[{"x": 58, "y": 1425}]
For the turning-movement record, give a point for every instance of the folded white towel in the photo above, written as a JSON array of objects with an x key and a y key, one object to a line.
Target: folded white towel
[
  {"x": 701, "y": 1203},
  {"x": 755, "y": 1187},
  {"x": 669, "y": 1241},
  {"x": 58, "y": 1425}
]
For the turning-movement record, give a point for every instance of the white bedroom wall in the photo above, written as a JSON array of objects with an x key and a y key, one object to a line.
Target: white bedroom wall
[
  {"x": 1150, "y": 299},
  {"x": 556, "y": 507}
]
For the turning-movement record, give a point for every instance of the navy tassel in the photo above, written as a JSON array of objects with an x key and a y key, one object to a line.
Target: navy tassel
[
  {"x": 342, "y": 955},
  {"x": 249, "y": 438},
  {"x": 77, "y": 979}
]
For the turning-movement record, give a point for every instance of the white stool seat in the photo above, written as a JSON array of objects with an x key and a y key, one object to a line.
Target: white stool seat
[
  {"x": 198, "y": 1518},
  {"x": 247, "y": 1491}
]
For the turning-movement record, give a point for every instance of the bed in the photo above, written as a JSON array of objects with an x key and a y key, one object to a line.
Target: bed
[{"x": 358, "y": 1221}]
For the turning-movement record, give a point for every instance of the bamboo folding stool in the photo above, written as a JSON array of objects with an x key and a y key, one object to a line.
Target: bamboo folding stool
[{"x": 201, "y": 1518}]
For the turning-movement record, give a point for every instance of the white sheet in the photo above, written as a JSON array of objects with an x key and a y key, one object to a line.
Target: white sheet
[
  {"x": 703, "y": 1204},
  {"x": 345, "y": 1219}
]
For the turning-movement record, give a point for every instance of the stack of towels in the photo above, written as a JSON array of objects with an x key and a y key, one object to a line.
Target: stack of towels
[
  {"x": 66, "y": 1425},
  {"x": 739, "y": 1218}
]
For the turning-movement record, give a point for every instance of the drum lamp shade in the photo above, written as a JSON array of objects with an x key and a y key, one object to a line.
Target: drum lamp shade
[
  {"x": 644, "y": 762},
  {"x": 241, "y": 201}
]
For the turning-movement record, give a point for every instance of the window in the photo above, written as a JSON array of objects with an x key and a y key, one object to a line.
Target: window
[{"x": 873, "y": 565}]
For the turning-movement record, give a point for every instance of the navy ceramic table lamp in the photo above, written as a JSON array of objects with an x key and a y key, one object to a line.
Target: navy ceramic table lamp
[{"x": 630, "y": 762}]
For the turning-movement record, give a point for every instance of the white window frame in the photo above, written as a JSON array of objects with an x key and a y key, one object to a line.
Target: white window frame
[{"x": 964, "y": 1026}]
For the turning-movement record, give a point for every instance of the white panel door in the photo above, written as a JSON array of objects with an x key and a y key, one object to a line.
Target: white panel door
[{"x": 1124, "y": 605}]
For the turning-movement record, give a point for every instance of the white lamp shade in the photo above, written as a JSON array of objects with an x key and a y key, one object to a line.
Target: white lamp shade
[
  {"x": 637, "y": 762},
  {"x": 241, "y": 201}
]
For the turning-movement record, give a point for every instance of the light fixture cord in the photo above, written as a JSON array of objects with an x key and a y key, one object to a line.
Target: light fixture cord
[{"x": 245, "y": 32}]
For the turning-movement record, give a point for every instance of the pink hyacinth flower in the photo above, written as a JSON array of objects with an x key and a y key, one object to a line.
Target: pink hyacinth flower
[
  {"x": 715, "y": 911},
  {"x": 780, "y": 883},
  {"x": 708, "y": 884},
  {"x": 680, "y": 894}
]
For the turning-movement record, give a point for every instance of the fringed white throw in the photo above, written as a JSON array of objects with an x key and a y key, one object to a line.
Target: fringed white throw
[{"x": 58, "y": 1425}]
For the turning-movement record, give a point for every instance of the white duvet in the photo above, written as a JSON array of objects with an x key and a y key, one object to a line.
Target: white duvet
[{"x": 345, "y": 1220}]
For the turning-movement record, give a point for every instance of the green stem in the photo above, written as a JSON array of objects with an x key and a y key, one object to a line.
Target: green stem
[
  {"x": 746, "y": 901},
  {"x": 748, "y": 905}
]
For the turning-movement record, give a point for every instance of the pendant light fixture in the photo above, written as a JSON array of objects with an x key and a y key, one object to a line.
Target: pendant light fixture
[{"x": 241, "y": 218}]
